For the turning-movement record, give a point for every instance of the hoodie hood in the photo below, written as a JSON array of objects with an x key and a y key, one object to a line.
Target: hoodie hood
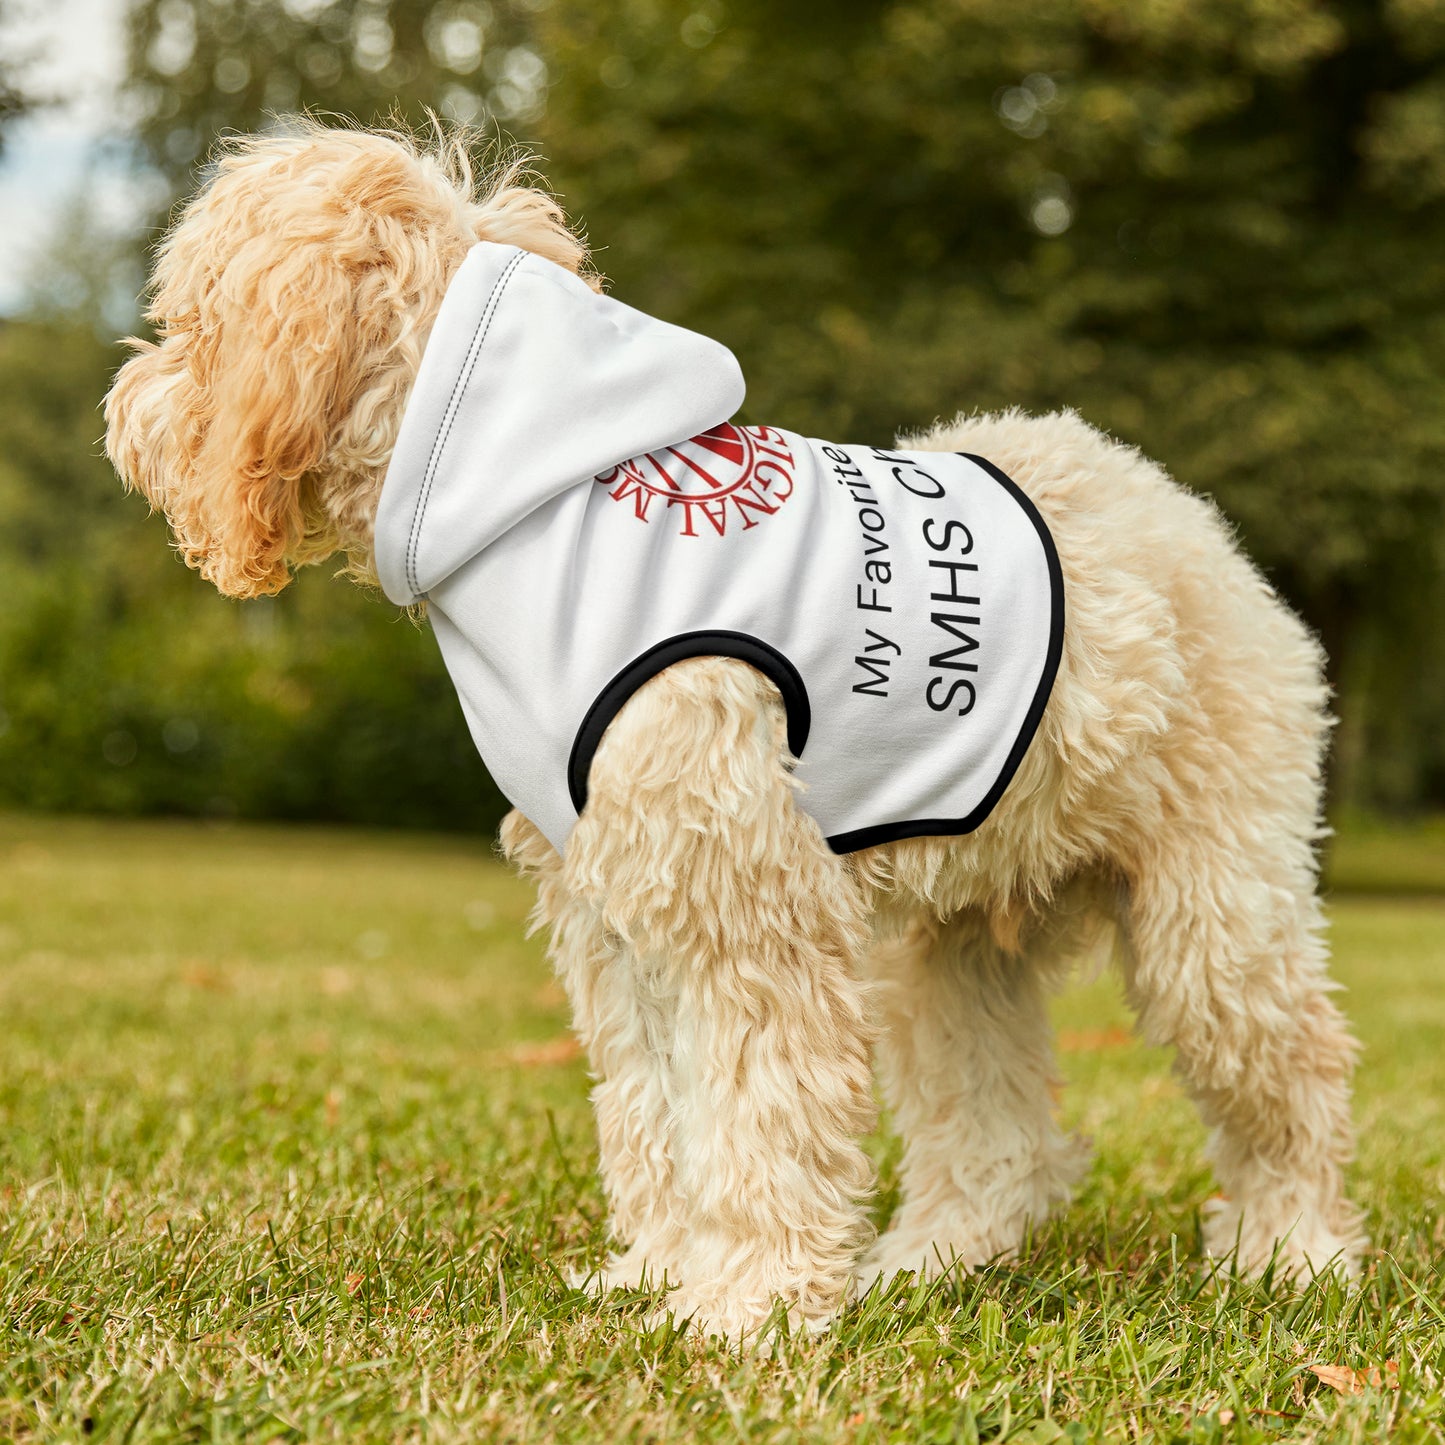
[{"x": 530, "y": 384}]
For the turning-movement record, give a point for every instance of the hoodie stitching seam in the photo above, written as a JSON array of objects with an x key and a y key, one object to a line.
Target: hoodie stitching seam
[{"x": 474, "y": 350}]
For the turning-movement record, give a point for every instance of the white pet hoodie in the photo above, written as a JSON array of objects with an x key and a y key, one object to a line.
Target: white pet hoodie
[{"x": 569, "y": 495}]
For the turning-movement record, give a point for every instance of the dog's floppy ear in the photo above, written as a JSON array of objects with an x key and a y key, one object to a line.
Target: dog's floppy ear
[
  {"x": 222, "y": 423},
  {"x": 287, "y": 301},
  {"x": 293, "y": 299},
  {"x": 275, "y": 360}
]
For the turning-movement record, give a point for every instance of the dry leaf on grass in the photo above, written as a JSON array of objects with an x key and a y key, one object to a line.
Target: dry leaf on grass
[
  {"x": 1088, "y": 1041},
  {"x": 195, "y": 974},
  {"x": 1355, "y": 1382},
  {"x": 552, "y": 1051},
  {"x": 354, "y": 1283}
]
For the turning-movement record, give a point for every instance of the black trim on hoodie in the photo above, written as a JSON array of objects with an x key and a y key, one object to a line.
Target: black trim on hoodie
[
  {"x": 768, "y": 661},
  {"x": 952, "y": 827},
  {"x": 785, "y": 677}
]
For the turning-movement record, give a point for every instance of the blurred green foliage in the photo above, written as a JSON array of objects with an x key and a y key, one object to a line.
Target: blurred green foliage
[
  {"x": 14, "y": 101},
  {"x": 1215, "y": 227},
  {"x": 127, "y": 685}
]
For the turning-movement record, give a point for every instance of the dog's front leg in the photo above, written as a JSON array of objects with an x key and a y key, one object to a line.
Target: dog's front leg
[
  {"x": 743, "y": 929},
  {"x": 624, "y": 1024}
]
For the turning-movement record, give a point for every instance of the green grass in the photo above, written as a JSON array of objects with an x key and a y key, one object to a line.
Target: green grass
[{"x": 284, "y": 1155}]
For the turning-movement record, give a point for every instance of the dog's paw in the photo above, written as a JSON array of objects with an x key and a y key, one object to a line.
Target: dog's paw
[
  {"x": 964, "y": 1229},
  {"x": 1298, "y": 1245},
  {"x": 752, "y": 1324},
  {"x": 925, "y": 1261},
  {"x": 929, "y": 1254},
  {"x": 634, "y": 1270}
]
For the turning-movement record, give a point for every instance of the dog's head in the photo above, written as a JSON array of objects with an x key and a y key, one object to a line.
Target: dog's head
[{"x": 291, "y": 301}]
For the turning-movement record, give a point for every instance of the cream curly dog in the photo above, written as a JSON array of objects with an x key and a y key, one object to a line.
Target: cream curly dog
[{"x": 731, "y": 974}]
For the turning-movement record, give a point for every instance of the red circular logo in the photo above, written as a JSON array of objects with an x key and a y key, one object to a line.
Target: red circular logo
[{"x": 731, "y": 476}]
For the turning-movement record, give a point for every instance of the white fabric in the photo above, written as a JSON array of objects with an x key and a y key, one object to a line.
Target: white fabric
[{"x": 568, "y": 494}]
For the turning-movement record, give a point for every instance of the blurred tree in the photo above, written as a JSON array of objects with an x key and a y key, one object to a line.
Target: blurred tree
[
  {"x": 1213, "y": 226},
  {"x": 127, "y": 685},
  {"x": 201, "y": 67},
  {"x": 14, "y": 100}
]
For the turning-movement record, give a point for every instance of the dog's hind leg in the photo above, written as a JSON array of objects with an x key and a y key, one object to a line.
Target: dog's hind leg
[
  {"x": 698, "y": 859},
  {"x": 966, "y": 1062},
  {"x": 1227, "y": 964}
]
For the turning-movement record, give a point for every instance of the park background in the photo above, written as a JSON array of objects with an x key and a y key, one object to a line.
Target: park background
[
  {"x": 294, "y": 1140},
  {"x": 1214, "y": 227}
]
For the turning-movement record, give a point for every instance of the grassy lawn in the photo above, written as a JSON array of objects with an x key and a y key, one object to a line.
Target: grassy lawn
[{"x": 292, "y": 1146}]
